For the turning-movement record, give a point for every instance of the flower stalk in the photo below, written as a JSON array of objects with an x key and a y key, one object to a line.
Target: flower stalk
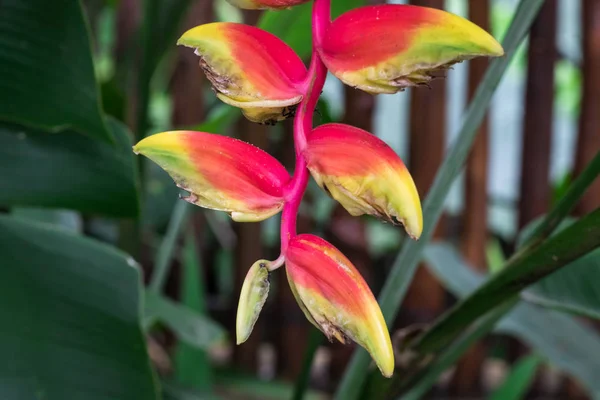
[
  {"x": 380, "y": 49},
  {"x": 303, "y": 121}
]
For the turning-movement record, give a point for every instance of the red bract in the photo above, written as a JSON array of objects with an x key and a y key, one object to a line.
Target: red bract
[
  {"x": 364, "y": 174},
  {"x": 336, "y": 299},
  {"x": 220, "y": 172},
  {"x": 249, "y": 68},
  {"x": 385, "y": 48}
]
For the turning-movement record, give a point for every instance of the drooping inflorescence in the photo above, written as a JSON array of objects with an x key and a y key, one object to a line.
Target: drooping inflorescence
[{"x": 378, "y": 49}]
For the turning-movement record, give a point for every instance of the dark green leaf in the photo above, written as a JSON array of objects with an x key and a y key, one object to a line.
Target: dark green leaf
[
  {"x": 165, "y": 27},
  {"x": 70, "y": 317},
  {"x": 234, "y": 385},
  {"x": 521, "y": 376},
  {"x": 166, "y": 250},
  {"x": 522, "y": 270},
  {"x": 406, "y": 262},
  {"x": 422, "y": 381},
  {"x": 194, "y": 329},
  {"x": 173, "y": 391},
  {"x": 219, "y": 119},
  {"x": 193, "y": 365},
  {"x": 67, "y": 170},
  {"x": 568, "y": 344},
  {"x": 48, "y": 77},
  {"x": 573, "y": 288},
  {"x": 67, "y": 220},
  {"x": 159, "y": 32}
]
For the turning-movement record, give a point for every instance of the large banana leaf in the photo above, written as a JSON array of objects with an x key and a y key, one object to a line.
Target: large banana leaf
[{"x": 70, "y": 309}]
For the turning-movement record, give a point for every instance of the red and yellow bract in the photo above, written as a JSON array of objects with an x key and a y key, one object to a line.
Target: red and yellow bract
[
  {"x": 265, "y": 4},
  {"x": 249, "y": 68},
  {"x": 385, "y": 48},
  {"x": 364, "y": 174},
  {"x": 220, "y": 172},
  {"x": 336, "y": 299}
]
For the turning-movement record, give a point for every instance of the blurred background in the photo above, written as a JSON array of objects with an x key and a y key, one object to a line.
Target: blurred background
[{"x": 542, "y": 128}]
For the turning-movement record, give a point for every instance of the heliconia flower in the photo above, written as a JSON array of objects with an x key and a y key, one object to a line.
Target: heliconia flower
[
  {"x": 220, "y": 172},
  {"x": 336, "y": 299},
  {"x": 364, "y": 175},
  {"x": 265, "y": 4},
  {"x": 252, "y": 299},
  {"x": 249, "y": 68},
  {"x": 385, "y": 48}
]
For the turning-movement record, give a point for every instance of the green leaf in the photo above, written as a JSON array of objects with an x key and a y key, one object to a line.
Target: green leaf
[
  {"x": 219, "y": 119},
  {"x": 520, "y": 379},
  {"x": 190, "y": 327},
  {"x": 67, "y": 170},
  {"x": 48, "y": 79},
  {"x": 293, "y": 26},
  {"x": 160, "y": 23},
  {"x": 423, "y": 381},
  {"x": 173, "y": 391},
  {"x": 522, "y": 270},
  {"x": 67, "y": 220},
  {"x": 165, "y": 253},
  {"x": 70, "y": 312},
  {"x": 406, "y": 262},
  {"x": 566, "y": 343},
  {"x": 193, "y": 367},
  {"x": 234, "y": 385},
  {"x": 573, "y": 289}
]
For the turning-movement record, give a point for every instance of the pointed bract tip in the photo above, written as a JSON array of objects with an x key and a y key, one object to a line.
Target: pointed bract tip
[
  {"x": 336, "y": 299},
  {"x": 249, "y": 68},
  {"x": 220, "y": 173},
  {"x": 386, "y": 48},
  {"x": 364, "y": 175}
]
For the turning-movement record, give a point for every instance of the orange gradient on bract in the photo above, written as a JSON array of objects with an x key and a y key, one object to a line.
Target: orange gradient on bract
[
  {"x": 249, "y": 68},
  {"x": 364, "y": 174},
  {"x": 336, "y": 299},
  {"x": 220, "y": 172},
  {"x": 272, "y": 67}
]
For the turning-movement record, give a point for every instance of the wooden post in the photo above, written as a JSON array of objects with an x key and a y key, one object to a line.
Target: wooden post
[
  {"x": 539, "y": 104},
  {"x": 588, "y": 141},
  {"x": 467, "y": 377},
  {"x": 535, "y": 190},
  {"x": 588, "y": 144},
  {"x": 426, "y": 297}
]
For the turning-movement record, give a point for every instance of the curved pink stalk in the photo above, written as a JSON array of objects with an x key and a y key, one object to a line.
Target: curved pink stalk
[{"x": 312, "y": 88}]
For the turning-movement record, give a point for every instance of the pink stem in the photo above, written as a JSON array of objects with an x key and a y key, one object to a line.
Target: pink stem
[{"x": 317, "y": 74}]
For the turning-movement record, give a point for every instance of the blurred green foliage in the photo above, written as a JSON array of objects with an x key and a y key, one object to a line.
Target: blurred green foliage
[{"x": 74, "y": 310}]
